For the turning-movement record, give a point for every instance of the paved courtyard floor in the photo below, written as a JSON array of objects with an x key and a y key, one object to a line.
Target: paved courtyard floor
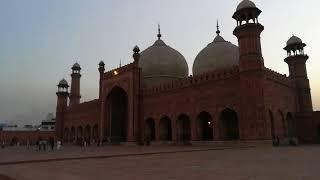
[{"x": 162, "y": 162}]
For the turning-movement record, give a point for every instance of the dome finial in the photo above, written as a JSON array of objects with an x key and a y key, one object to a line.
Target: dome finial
[
  {"x": 159, "y": 32},
  {"x": 218, "y": 31}
]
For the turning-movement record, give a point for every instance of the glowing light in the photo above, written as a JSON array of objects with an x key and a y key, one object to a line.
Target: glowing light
[
  {"x": 209, "y": 122},
  {"x": 115, "y": 73}
]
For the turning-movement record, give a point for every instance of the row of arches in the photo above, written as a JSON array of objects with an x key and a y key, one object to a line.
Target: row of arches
[
  {"x": 87, "y": 133},
  {"x": 228, "y": 127},
  {"x": 282, "y": 126},
  {"x": 116, "y": 123}
]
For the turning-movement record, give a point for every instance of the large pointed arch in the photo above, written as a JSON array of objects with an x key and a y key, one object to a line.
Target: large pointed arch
[
  {"x": 165, "y": 129},
  {"x": 183, "y": 128},
  {"x": 271, "y": 118},
  {"x": 281, "y": 124},
  {"x": 116, "y": 114},
  {"x": 291, "y": 125},
  {"x": 229, "y": 125},
  {"x": 205, "y": 126},
  {"x": 150, "y": 129}
]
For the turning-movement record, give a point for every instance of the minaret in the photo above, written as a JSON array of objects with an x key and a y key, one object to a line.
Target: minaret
[
  {"x": 248, "y": 32},
  {"x": 136, "y": 54},
  {"x": 75, "y": 85},
  {"x": 101, "y": 71},
  {"x": 62, "y": 103},
  {"x": 251, "y": 66},
  {"x": 296, "y": 60}
]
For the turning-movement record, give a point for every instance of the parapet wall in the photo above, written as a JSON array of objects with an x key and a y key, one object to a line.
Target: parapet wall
[
  {"x": 87, "y": 113},
  {"x": 121, "y": 69},
  {"x": 193, "y": 80},
  {"x": 279, "y": 78},
  {"x": 85, "y": 106}
]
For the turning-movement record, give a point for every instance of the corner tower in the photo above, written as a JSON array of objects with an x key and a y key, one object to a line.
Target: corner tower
[
  {"x": 252, "y": 120},
  {"x": 296, "y": 60},
  {"x": 75, "y": 85},
  {"x": 248, "y": 32},
  {"x": 62, "y": 103}
]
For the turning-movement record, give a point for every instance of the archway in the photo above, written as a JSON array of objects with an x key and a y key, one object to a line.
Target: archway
[
  {"x": 117, "y": 115},
  {"x": 95, "y": 132},
  {"x": 66, "y": 135},
  {"x": 183, "y": 128},
  {"x": 282, "y": 122},
  {"x": 79, "y": 133},
  {"x": 230, "y": 125},
  {"x": 291, "y": 130},
  {"x": 165, "y": 129},
  {"x": 273, "y": 134},
  {"x": 150, "y": 129},
  {"x": 14, "y": 141},
  {"x": 205, "y": 126},
  {"x": 73, "y": 134},
  {"x": 87, "y": 133}
]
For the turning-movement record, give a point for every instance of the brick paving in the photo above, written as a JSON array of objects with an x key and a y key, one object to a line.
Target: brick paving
[{"x": 294, "y": 163}]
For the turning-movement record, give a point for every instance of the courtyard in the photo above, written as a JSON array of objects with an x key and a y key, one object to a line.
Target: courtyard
[{"x": 162, "y": 162}]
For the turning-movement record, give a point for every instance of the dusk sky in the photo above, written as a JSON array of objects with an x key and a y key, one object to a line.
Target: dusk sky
[{"x": 41, "y": 39}]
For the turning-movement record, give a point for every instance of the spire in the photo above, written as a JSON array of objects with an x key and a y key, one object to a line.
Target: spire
[
  {"x": 120, "y": 63},
  {"x": 218, "y": 31},
  {"x": 159, "y": 33}
]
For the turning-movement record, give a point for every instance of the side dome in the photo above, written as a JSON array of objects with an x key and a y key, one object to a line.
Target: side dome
[
  {"x": 63, "y": 83},
  {"x": 160, "y": 63},
  {"x": 294, "y": 40},
  {"x": 217, "y": 55},
  {"x": 246, "y": 4}
]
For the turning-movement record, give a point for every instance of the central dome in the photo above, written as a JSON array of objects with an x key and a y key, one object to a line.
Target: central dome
[
  {"x": 218, "y": 54},
  {"x": 160, "y": 63}
]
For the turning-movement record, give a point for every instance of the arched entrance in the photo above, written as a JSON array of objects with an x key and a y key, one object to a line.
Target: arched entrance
[
  {"x": 87, "y": 133},
  {"x": 273, "y": 134},
  {"x": 73, "y": 134},
  {"x": 183, "y": 128},
  {"x": 14, "y": 141},
  {"x": 205, "y": 126},
  {"x": 165, "y": 129},
  {"x": 282, "y": 127},
  {"x": 150, "y": 132},
  {"x": 79, "y": 133},
  {"x": 95, "y": 132},
  {"x": 291, "y": 130},
  {"x": 66, "y": 135},
  {"x": 230, "y": 125},
  {"x": 117, "y": 115}
]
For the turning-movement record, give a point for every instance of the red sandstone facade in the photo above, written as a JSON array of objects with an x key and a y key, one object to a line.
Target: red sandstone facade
[
  {"x": 248, "y": 102},
  {"x": 24, "y": 137}
]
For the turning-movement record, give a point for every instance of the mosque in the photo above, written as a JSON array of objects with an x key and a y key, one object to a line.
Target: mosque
[{"x": 231, "y": 95}]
